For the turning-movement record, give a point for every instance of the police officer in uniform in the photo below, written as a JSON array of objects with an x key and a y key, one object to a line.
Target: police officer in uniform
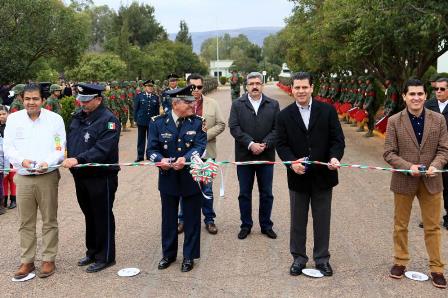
[
  {"x": 93, "y": 137},
  {"x": 174, "y": 138},
  {"x": 172, "y": 85},
  {"x": 146, "y": 105}
]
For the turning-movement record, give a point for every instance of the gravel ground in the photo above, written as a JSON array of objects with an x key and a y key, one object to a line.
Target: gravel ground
[{"x": 361, "y": 241}]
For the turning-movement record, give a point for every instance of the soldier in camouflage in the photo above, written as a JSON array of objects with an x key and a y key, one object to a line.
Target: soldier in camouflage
[
  {"x": 52, "y": 102},
  {"x": 235, "y": 86},
  {"x": 17, "y": 103},
  {"x": 370, "y": 105}
]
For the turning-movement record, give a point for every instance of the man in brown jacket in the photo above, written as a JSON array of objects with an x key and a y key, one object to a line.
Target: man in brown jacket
[{"x": 417, "y": 140}]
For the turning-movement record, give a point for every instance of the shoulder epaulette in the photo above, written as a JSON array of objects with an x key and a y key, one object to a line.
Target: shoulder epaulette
[
  {"x": 200, "y": 117},
  {"x": 154, "y": 118}
]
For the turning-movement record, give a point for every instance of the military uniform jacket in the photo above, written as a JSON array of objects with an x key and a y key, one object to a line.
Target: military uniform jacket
[
  {"x": 145, "y": 107},
  {"x": 93, "y": 138},
  {"x": 168, "y": 141}
]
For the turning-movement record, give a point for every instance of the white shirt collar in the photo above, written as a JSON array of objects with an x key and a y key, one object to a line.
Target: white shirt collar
[
  {"x": 175, "y": 117},
  {"x": 305, "y": 107},
  {"x": 253, "y": 100}
]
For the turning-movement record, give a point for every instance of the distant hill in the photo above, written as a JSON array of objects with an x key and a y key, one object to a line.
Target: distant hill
[{"x": 254, "y": 34}]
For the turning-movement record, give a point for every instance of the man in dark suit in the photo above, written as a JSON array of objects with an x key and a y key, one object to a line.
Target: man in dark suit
[
  {"x": 174, "y": 138},
  {"x": 146, "y": 105},
  {"x": 439, "y": 105},
  {"x": 310, "y": 129},
  {"x": 252, "y": 124}
]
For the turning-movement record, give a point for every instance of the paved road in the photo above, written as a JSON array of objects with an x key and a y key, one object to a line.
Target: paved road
[{"x": 361, "y": 242}]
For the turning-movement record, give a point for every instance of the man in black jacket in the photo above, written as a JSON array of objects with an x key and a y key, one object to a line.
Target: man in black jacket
[
  {"x": 252, "y": 124},
  {"x": 93, "y": 137},
  {"x": 310, "y": 129},
  {"x": 439, "y": 105}
]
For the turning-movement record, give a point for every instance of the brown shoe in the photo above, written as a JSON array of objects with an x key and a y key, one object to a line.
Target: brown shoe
[
  {"x": 46, "y": 269},
  {"x": 180, "y": 228},
  {"x": 211, "y": 228},
  {"x": 397, "y": 271},
  {"x": 24, "y": 270},
  {"x": 438, "y": 280}
]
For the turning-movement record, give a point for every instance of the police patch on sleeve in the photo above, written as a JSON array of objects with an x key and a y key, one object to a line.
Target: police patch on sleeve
[{"x": 111, "y": 126}]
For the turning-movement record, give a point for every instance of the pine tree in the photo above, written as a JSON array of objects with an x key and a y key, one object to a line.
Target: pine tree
[{"x": 183, "y": 35}]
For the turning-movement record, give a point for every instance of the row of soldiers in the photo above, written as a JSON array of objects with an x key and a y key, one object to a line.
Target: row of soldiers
[
  {"x": 118, "y": 97},
  {"x": 357, "y": 101}
]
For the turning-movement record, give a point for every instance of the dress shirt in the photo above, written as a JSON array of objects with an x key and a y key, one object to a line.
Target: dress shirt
[
  {"x": 255, "y": 103},
  {"x": 418, "y": 124},
  {"x": 199, "y": 107},
  {"x": 305, "y": 112},
  {"x": 442, "y": 105},
  {"x": 41, "y": 140},
  {"x": 175, "y": 117}
]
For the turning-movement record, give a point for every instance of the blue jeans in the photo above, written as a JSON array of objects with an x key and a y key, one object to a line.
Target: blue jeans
[
  {"x": 265, "y": 175},
  {"x": 207, "y": 205}
]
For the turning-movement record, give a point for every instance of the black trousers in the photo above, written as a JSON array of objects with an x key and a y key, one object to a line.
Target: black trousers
[
  {"x": 320, "y": 200},
  {"x": 142, "y": 136},
  {"x": 96, "y": 197},
  {"x": 192, "y": 225},
  {"x": 445, "y": 192}
]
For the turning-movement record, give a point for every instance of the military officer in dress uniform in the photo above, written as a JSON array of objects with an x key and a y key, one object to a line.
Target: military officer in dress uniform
[
  {"x": 93, "y": 137},
  {"x": 172, "y": 85},
  {"x": 146, "y": 105},
  {"x": 174, "y": 138}
]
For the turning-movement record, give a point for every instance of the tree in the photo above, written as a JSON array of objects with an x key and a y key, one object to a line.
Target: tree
[
  {"x": 143, "y": 27},
  {"x": 98, "y": 67},
  {"x": 35, "y": 30},
  {"x": 161, "y": 58},
  {"x": 388, "y": 37},
  {"x": 102, "y": 18},
  {"x": 245, "y": 54},
  {"x": 183, "y": 35}
]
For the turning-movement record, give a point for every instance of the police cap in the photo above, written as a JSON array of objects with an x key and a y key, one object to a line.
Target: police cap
[
  {"x": 172, "y": 77},
  {"x": 184, "y": 93},
  {"x": 87, "y": 92},
  {"x": 148, "y": 82}
]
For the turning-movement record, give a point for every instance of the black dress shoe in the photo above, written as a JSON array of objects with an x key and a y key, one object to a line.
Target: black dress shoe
[
  {"x": 325, "y": 269},
  {"x": 165, "y": 263},
  {"x": 243, "y": 233},
  {"x": 98, "y": 266},
  {"x": 270, "y": 233},
  {"x": 296, "y": 268},
  {"x": 187, "y": 265},
  {"x": 138, "y": 160},
  {"x": 86, "y": 261}
]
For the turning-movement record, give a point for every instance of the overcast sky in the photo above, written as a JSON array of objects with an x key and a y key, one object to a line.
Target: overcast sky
[{"x": 207, "y": 15}]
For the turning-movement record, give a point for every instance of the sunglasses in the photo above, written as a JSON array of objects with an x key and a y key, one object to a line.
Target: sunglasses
[
  {"x": 199, "y": 87},
  {"x": 442, "y": 89}
]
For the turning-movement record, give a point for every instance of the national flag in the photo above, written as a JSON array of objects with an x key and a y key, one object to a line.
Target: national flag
[{"x": 111, "y": 125}]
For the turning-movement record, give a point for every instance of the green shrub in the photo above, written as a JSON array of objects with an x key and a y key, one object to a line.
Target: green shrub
[
  {"x": 223, "y": 80},
  {"x": 68, "y": 108}
]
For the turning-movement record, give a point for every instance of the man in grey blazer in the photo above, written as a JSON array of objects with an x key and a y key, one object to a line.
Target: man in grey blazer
[
  {"x": 417, "y": 140},
  {"x": 252, "y": 124}
]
